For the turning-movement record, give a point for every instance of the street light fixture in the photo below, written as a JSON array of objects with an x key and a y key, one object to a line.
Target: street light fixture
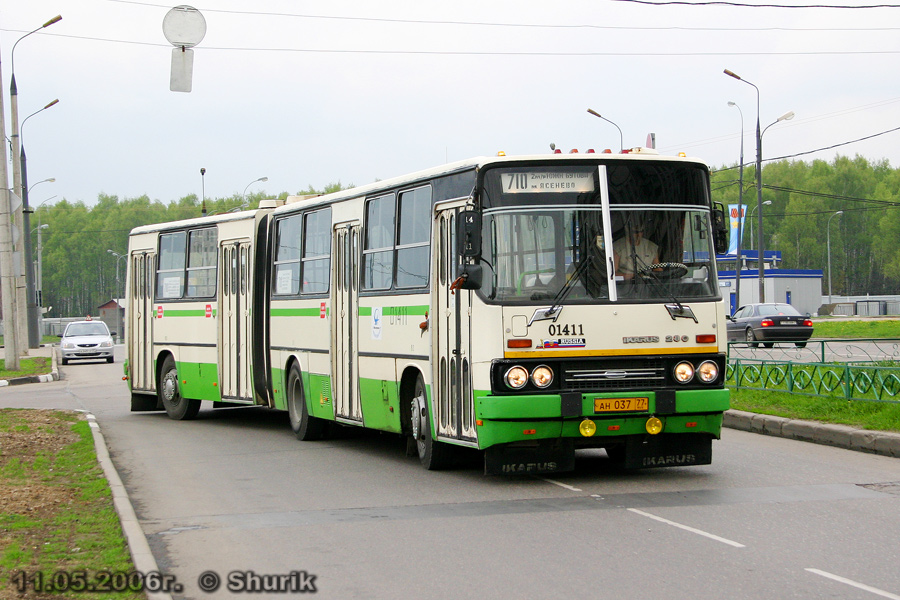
[
  {"x": 828, "y": 238},
  {"x": 26, "y": 324},
  {"x": 759, "y": 202},
  {"x": 48, "y": 180},
  {"x": 244, "y": 203},
  {"x": 740, "y": 230},
  {"x": 621, "y": 139}
]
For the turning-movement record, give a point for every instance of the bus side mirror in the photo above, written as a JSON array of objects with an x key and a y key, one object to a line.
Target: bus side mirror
[
  {"x": 720, "y": 229},
  {"x": 470, "y": 276},
  {"x": 468, "y": 234}
]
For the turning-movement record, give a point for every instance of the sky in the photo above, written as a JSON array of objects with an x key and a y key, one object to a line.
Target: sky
[{"x": 314, "y": 93}]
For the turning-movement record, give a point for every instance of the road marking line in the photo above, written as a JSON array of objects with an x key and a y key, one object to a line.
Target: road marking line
[
  {"x": 686, "y": 528},
  {"x": 560, "y": 484},
  {"x": 855, "y": 584}
]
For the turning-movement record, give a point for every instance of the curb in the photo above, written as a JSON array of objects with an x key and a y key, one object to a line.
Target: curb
[
  {"x": 141, "y": 555},
  {"x": 841, "y": 436},
  {"x": 53, "y": 375}
]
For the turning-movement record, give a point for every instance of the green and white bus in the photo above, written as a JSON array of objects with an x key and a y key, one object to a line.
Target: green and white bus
[{"x": 524, "y": 307}]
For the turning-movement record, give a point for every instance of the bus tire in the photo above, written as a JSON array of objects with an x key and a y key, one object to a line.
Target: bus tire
[
  {"x": 433, "y": 455},
  {"x": 177, "y": 407},
  {"x": 306, "y": 428}
]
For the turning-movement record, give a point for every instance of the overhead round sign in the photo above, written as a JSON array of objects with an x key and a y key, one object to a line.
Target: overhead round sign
[{"x": 184, "y": 26}]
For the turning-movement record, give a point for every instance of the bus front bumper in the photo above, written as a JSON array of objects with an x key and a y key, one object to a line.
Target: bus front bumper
[{"x": 529, "y": 418}]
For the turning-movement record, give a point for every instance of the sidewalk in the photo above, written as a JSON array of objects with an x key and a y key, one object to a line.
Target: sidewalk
[{"x": 44, "y": 350}]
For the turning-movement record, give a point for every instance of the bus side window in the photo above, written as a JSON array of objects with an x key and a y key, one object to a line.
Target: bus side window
[{"x": 378, "y": 252}]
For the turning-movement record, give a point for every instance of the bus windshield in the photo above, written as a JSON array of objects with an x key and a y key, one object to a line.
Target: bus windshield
[{"x": 545, "y": 237}]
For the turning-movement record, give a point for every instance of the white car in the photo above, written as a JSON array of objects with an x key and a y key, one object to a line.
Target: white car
[{"x": 86, "y": 339}]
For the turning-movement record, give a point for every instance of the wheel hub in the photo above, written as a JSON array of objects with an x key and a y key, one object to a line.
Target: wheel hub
[
  {"x": 418, "y": 417},
  {"x": 170, "y": 387}
]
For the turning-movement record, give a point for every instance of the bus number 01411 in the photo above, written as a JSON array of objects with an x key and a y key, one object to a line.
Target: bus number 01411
[{"x": 567, "y": 329}]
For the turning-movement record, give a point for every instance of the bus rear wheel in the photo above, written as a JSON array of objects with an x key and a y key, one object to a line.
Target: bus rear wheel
[
  {"x": 433, "y": 455},
  {"x": 306, "y": 427},
  {"x": 177, "y": 407}
]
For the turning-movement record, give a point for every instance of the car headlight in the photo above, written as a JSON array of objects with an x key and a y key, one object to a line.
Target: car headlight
[
  {"x": 68, "y": 345},
  {"x": 516, "y": 378},
  {"x": 542, "y": 376},
  {"x": 106, "y": 344},
  {"x": 708, "y": 371},
  {"x": 684, "y": 372}
]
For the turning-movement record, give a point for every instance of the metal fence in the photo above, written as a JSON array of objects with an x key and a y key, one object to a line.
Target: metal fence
[{"x": 867, "y": 370}]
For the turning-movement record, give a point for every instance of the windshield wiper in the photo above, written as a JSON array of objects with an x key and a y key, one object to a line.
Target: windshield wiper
[
  {"x": 541, "y": 314},
  {"x": 676, "y": 309},
  {"x": 569, "y": 284}
]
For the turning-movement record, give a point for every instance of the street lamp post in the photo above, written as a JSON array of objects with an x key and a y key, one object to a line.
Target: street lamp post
[
  {"x": 740, "y": 232},
  {"x": 35, "y": 334},
  {"x": 759, "y": 202},
  {"x": 119, "y": 322},
  {"x": 21, "y": 220},
  {"x": 39, "y": 283},
  {"x": 599, "y": 116},
  {"x": 203, "y": 191},
  {"x": 39, "y": 278},
  {"x": 828, "y": 244},
  {"x": 750, "y": 214}
]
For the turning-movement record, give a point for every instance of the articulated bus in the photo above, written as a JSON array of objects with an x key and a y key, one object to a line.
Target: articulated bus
[{"x": 524, "y": 307}]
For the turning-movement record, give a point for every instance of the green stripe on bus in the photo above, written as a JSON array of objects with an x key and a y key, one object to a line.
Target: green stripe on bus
[
  {"x": 395, "y": 311},
  {"x": 171, "y": 312},
  {"x": 295, "y": 312},
  {"x": 364, "y": 311}
]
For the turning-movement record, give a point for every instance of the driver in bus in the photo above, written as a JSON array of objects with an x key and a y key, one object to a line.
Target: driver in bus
[{"x": 633, "y": 252}]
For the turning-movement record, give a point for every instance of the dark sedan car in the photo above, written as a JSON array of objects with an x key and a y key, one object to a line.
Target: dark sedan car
[{"x": 769, "y": 323}]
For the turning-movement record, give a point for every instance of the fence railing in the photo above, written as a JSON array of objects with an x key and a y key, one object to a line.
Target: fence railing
[{"x": 867, "y": 370}]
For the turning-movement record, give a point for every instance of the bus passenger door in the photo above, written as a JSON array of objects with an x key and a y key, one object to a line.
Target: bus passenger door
[
  {"x": 452, "y": 402},
  {"x": 344, "y": 322},
  {"x": 140, "y": 322},
  {"x": 234, "y": 322}
]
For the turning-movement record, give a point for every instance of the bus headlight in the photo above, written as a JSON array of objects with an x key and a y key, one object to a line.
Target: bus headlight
[
  {"x": 542, "y": 376},
  {"x": 516, "y": 378},
  {"x": 684, "y": 372},
  {"x": 708, "y": 371}
]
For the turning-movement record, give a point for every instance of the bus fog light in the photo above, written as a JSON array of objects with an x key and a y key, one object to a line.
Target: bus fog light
[
  {"x": 516, "y": 378},
  {"x": 653, "y": 426},
  {"x": 542, "y": 376},
  {"x": 684, "y": 372},
  {"x": 708, "y": 371},
  {"x": 587, "y": 428}
]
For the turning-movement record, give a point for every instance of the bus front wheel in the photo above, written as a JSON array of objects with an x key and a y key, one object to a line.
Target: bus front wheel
[
  {"x": 177, "y": 407},
  {"x": 433, "y": 455},
  {"x": 306, "y": 427}
]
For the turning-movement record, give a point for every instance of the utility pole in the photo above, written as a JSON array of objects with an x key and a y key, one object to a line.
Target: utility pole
[{"x": 7, "y": 275}]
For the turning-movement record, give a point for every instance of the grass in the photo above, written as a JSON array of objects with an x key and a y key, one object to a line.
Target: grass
[
  {"x": 870, "y": 328},
  {"x": 56, "y": 511},
  {"x": 880, "y": 416},
  {"x": 39, "y": 365}
]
